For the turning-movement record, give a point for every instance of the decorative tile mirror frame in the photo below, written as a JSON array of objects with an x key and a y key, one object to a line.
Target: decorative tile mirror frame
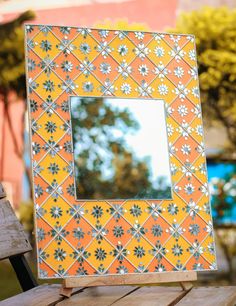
[{"x": 116, "y": 239}]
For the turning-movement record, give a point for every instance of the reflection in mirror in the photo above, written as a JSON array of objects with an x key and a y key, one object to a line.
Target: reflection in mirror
[{"x": 120, "y": 148}]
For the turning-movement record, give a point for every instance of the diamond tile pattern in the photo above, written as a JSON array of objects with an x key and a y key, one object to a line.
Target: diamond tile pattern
[{"x": 78, "y": 238}]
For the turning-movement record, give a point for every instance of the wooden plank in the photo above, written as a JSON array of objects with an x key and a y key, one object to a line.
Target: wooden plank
[
  {"x": 66, "y": 291},
  {"x": 23, "y": 272},
  {"x": 210, "y": 296},
  {"x": 42, "y": 295},
  {"x": 2, "y": 191},
  {"x": 145, "y": 278},
  {"x": 100, "y": 296},
  {"x": 13, "y": 239},
  {"x": 186, "y": 285},
  {"x": 152, "y": 296}
]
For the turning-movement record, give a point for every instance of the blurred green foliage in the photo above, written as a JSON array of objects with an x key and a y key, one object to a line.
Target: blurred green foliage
[
  {"x": 26, "y": 215},
  {"x": 12, "y": 55},
  {"x": 215, "y": 31}
]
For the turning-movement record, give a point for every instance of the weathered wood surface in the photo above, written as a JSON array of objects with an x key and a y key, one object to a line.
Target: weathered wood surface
[
  {"x": 2, "y": 192},
  {"x": 13, "y": 240},
  {"x": 98, "y": 296},
  {"x": 146, "y": 278},
  {"x": 126, "y": 296},
  {"x": 210, "y": 296},
  {"x": 152, "y": 296},
  {"x": 39, "y": 296}
]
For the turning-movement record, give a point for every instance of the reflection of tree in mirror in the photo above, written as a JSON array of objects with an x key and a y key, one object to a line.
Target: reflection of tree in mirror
[{"x": 106, "y": 168}]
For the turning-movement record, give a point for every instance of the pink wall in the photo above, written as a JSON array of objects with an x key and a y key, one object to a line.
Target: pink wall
[{"x": 156, "y": 14}]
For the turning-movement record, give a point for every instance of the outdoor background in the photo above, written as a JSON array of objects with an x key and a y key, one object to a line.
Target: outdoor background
[{"x": 213, "y": 22}]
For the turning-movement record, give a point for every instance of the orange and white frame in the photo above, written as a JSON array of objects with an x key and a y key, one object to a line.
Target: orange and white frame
[{"x": 101, "y": 238}]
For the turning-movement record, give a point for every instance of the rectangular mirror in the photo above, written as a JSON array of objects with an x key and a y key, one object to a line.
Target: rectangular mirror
[{"x": 120, "y": 148}]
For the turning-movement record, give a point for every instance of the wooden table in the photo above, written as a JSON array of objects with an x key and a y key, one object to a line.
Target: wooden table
[{"x": 128, "y": 296}]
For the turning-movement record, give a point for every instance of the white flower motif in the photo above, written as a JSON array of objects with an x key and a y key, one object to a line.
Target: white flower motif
[
  {"x": 139, "y": 35},
  {"x": 194, "y": 208},
  {"x": 103, "y": 33},
  {"x": 173, "y": 169},
  {"x": 211, "y": 248},
  {"x": 202, "y": 169},
  {"x": 144, "y": 90},
  {"x": 176, "y": 230},
  {"x": 185, "y": 129},
  {"x": 84, "y": 31},
  {"x": 177, "y": 53},
  {"x": 193, "y": 73},
  {"x": 84, "y": 48},
  {"x": 172, "y": 149},
  {"x": 175, "y": 38},
  {"x": 158, "y": 37},
  {"x": 192, "y": 55},
  {"x": 197, "y": 111},
  {"x": 199, "y": 130},
  {"x": 189, "y": 189},
  {"x": 190, "y": 38},
  {"x": 181, "y": 91},
  {"x": 121, "y": 34},
  {"x": 163, "y": 89},
  {"x": 170, "y": 129},
  {"x": 198, "y": 248},
  {"x": 186, "y": 171},
  {"x": 195, "y": 92},
  {"x": 143, "y": 70},
  {"x": 124, "y": 69},
  {"x": 123, "y": 50},
  {"x": 200, "y": 149},
  {"x": 88, "y": 86},
  {"x": 209, "y": 227},
  {"x": 108, "y": 88},
  {"x": 161, "y": 71},
  {"x": 182, "y": 110},
  {"x": 142, "y": 51},
  {"x": 186, "y": 149},
  {"x": 159, "y": 51},
  {"x": 177, "y": 188},
  {"x": 104, "y": 49},
  {"x": 126, "y": 88},
  {"x": 105, "y": 68},
  {"x": 204, "y": 189},
  {"x": 169, "y": 110},
  {"x": 179, "y": 72},
  {"x": 86, "y": 67},
  {"x": 67, "y": 66}
]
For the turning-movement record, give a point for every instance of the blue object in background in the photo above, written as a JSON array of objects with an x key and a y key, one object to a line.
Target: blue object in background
[
  {"x": 222, "y": 170},
  {"x": 219, "y": 169}
]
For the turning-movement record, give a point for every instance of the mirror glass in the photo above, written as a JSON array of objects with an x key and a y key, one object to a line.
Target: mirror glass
[{"x": 120, "y": 148}]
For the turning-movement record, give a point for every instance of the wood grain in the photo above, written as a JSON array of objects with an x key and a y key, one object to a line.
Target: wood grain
[
  {"x": 100, "y": 296},
  {"x": 210, "y": 296},
  {"x": 39, "y": 296},
  {"x": 2, "y": 191},
  {"x": 129, "y": 279},
  {"x": 13, "y": 239},
  {"x": 152, "y": 296}
]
